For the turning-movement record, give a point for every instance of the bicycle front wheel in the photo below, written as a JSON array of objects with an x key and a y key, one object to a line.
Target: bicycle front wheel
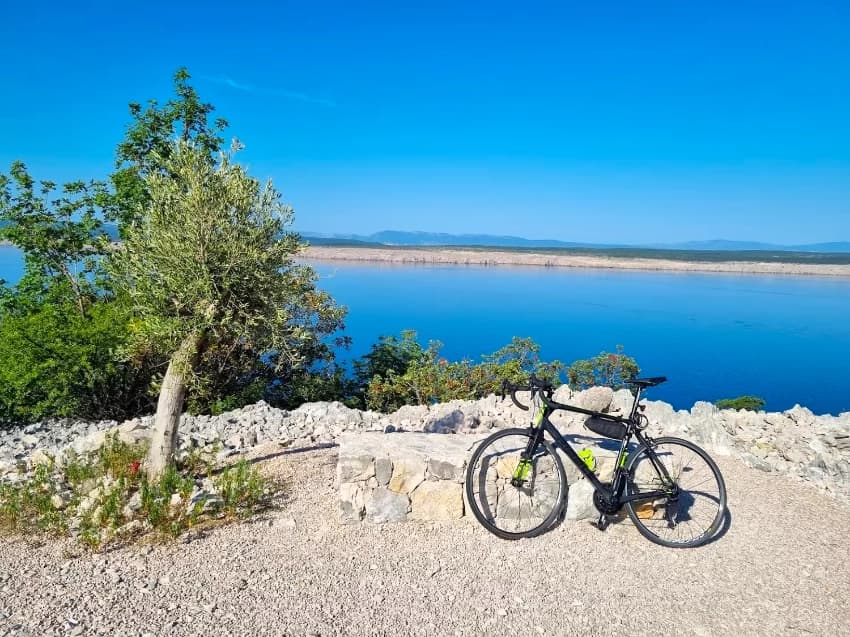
[
  {"x": 689, "y": 505},
  {"x": 511, "y": 497}
]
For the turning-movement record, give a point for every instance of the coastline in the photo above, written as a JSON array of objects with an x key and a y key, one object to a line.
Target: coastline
[{"x": 496, "y": 257}]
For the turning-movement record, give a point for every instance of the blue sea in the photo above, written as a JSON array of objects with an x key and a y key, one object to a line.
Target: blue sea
[{"x": 784, "y": 338}]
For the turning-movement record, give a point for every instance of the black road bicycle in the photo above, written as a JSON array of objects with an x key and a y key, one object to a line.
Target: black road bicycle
[{"x": 672, "y": 490}]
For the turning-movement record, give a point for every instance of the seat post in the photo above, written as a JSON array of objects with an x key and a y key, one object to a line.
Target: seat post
[{"x": 635, "y": 404}]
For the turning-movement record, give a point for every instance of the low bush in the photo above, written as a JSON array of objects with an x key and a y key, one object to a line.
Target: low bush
[
  {"x": 405, "y": 373},
  {"x": 105, "y": 496},
  {"x": 55, "y": 362},
  {"x": 242, "y": 489},
  {"x": 607, "y": 369},
  {"x": 30, "y": 506},
  {"x": 749, "y": 403}
]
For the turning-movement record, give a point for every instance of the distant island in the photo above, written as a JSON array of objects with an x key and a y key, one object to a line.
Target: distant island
[
  {"x": 740, "y": 262},
  {"x": 441, "y": 239},
  {"x": 719, "y": 255}
]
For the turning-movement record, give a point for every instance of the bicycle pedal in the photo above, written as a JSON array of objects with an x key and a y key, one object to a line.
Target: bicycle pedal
[{"x": 602, "y": 522}]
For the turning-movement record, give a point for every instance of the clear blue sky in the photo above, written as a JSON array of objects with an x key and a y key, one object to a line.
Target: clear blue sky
[{"x": 624, "y": 122}]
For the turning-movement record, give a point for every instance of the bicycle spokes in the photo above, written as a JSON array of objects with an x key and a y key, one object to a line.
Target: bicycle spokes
[
  {"x": 515, "y": 493},
  {"x": 685, "y": 495}
]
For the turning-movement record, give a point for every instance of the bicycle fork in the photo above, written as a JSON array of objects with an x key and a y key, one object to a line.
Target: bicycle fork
[{"x": 524, "y": 466}]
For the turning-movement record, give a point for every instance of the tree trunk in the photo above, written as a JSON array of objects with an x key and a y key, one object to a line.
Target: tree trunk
[{"x": 170, "y": 406}]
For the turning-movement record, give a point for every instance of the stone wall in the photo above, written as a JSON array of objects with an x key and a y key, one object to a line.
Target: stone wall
[
  {"x": 795, "y": 442},
  {"x": 419, "y": 476},
  {"x": 400, "y": 476}
]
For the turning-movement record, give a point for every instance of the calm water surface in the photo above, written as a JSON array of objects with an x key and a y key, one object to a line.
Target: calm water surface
[{"x": 786, "y": 339}]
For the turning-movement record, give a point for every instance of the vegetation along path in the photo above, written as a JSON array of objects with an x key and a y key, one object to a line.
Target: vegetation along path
[{"x": 780, "y": 569}]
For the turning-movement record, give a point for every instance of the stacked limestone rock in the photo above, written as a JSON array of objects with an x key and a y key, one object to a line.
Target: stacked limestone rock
[
  {"x": 392, "y": 478},
  {"x": 795, "y": 442},
  {"x": 309, "y": 424}
]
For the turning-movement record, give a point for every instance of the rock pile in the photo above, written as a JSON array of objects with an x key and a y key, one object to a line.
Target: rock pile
[
  {"x": 796, "y": 442},
  {"x": 418, "y": 476},
  {"x": 393, "y": 478},
  {"x": 311, "y": 423}
]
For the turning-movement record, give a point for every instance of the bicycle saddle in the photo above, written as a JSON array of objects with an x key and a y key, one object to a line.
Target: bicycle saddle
[{"x": 647, "y": 382}]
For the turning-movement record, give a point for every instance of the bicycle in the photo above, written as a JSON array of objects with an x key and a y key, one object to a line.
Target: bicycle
[{"x": 663, "y": 484}]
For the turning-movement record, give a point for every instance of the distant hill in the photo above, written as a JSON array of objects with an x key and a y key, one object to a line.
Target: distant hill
[
  {"x": 402, "y": 238},
  {"x": 395, "y": 237},
  {"x": 735, "y": 246},
  {"x": 339, "y": 241}
]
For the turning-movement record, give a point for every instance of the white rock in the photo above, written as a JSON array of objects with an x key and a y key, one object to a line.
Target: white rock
[
  {"x": 354, "y": 467},
  {"x": 408, "y": 473},
  {"x": 351, "y": 502},
  {"x": 40, "y": 457},
  {"x": 386, "y": 506},
  {"x": 437, "y": 500},
  {"x": 580, "y": 501}
]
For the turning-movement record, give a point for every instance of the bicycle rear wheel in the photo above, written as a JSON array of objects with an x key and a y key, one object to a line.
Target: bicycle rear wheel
[
  {"x": 512, "y": 499},
  {"x": 694, "y": 506}
]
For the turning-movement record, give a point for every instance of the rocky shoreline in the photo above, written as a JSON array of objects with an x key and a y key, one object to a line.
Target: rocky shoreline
[
  {"x": 797, "y": 443},
  {"x": 495, "y": 257}
]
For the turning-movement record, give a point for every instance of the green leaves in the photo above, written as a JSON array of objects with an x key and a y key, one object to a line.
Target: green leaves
[
  {"x": 60, "y": 233},
  {"x": 56, "y": 362},
  {"x": 148, "y": 142},
  {"x": 406, "y": 374},
  {"x": 206, "y": 251},
  {"x": 211, "y": 256},
  {"x": 749, "y": 403},
  {"x": 605, "y": 369}
]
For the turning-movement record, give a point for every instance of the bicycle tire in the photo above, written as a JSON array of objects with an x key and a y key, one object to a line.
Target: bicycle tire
[
  {"x": 680, "y": 513},
  {"x": 546, "y": 470}
]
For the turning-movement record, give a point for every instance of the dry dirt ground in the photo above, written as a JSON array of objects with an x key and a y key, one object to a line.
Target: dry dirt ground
[{"x": 782, "y": 568}]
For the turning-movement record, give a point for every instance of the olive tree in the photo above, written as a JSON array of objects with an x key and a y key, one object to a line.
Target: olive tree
[{"x": 209, "y": 266}]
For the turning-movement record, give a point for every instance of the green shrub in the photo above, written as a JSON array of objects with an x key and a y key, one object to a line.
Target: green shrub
[
  {"x": 199, "y": 462},
  {"x": 50, "y": 501},
  {"x": 390, "y": 355},
  {"x": 242, "y": 488},
  {"x": 749, "y": 403},
  {"x": 429, "y": 378},
  {"x": 78, "y": 470},
  {"x": 157, "y": 509},
  {"x": 605, "y": 369},
  {"x": 120, "y": 460},
  {"x": 56, "y": 362},
  {"x": 28, "y": 507}
]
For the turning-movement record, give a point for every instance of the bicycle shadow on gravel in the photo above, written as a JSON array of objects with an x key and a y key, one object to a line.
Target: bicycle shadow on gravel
[
  {"x": 577, "y": 439},
  {"x": 623, "y": 517}
]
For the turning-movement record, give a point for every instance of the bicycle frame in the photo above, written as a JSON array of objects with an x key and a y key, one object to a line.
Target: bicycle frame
[{"x": 543, "y": 425}]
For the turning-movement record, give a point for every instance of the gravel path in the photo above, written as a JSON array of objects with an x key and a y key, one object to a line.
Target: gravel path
[{"x": 782, "y": 568}]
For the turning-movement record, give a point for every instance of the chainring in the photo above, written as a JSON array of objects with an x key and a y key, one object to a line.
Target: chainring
[{"x": 604, "y": 504}]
